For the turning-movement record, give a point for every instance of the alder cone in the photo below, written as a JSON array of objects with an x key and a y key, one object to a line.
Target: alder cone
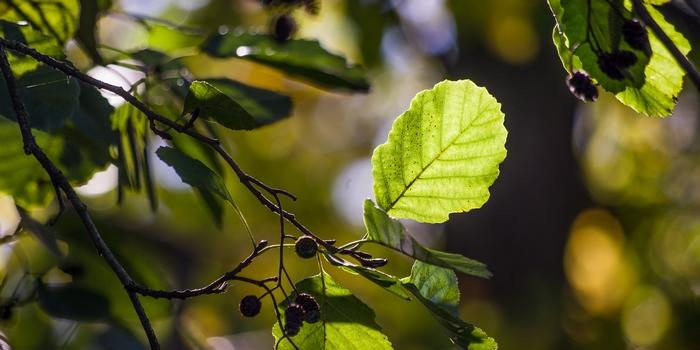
[
  {"x": 306, "y": 247},
  {"x": 250, "y": 306}
]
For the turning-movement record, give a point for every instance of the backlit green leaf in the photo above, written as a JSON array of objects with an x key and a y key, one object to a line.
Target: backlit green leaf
[
  {"x": 390, "y": 232},
  {"x": 299, "y": 58},
  {"x": 55, "y": 18},
  {"x": 265, "y": 106},
  {"x": 442, "y": 154},
  {"x": 346, "y": 322},
  {"x": 390, "y": 283},
  {"x": 651, "y": 86},
  {"x": 212, "y": 104},
  {"x": 438, "y": 290},
  {"x": 35, "y": 39}
]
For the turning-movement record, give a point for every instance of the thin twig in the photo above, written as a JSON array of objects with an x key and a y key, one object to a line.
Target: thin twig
[
  {"x": 641, "y": 11},
  {"x": 59, "y": 180}
]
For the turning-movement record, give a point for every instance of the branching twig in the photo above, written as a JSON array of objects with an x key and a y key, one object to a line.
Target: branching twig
[
  {"x": 639, "y": 8},
  {"x": 61, "y": 182}
]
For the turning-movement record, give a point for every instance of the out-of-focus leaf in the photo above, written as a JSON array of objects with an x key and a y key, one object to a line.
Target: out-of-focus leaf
[
  {"x": 299, "y": 58},
  {"x": 438, "y": 290},
  {"x": 73, "y": 302},
  {"x": 92, "y": 118},
  {"x": 346, "y": 322},
  {"x": 89, "y": 11},
  {"x": 390, "y": 233},
  {"x": 55, "y": 18},
  {"x": 442, "y": 154},
  {"x": 651, "y": 86},
  {"x": 117, "y": 338},
  {"x": 41, "y": 232},
  {"x": 194, "y": 173},
  {"x": 265, "y": 106},
  {"x": 49, "y": 96},
  {"x": 23, "y": 177},
  {"x": 35, "y": 39},
  {"x": 212, "y": 104},
  {"x": 390, "y": 283}
]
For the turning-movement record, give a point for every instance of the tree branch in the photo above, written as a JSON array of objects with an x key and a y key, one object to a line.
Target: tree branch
[
  {"x": 250, "y": 182},
  {"x": 61, "y": 182},
  {"x": 643, "y": 13}
]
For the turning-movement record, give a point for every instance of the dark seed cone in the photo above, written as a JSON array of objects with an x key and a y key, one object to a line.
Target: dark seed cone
[
  {"x": 291, "y": 329},
  {"x": 284, "y": 28},
  {"x": 294, "y": 313},
  {"x": 581, "y": 86},
  {"x": 306, "y": 247},
  {"x": 312, "y": 311},
  {"x": 250, "y": 306},
  {"x": 614, "y": 63},
  {"x": 635, "y": 34}
]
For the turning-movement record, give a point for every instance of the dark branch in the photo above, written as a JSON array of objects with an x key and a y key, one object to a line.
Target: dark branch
[
  {"x": 62, "y": 184},
  {"x": 641, "y": 11}
]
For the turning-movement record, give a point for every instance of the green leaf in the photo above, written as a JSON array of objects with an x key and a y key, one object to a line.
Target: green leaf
[
  {"x": 346, "y": 322},
  {"x": 265, "y": 106},
  {"x": 35, "y": 39},
  {"x": 211, "y": 103},
  {"x": 86, "y": 36},
  {"x": 23, "y": 177},
  {"x": 194, "y": 173},
  {"x": 442, "y": 154},
  {"x": 49, "y": 96},
  {"x": 73, "y": 303},
  {"x": 390, "y": 233},
  {"x": 438, "y": 290},
  {"x": 92, "y": 118},
  {"x": 299, "y": 58},
  {"x": 55, "y": 18},
  {"x": 651, "y": 86},
  {"x": 390, "y": 283}
]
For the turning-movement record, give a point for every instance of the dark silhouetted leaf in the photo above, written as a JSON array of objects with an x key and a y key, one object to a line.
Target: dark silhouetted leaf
[
  {"x": 299, "y": 58},
  {"x": 73, "y": 303},
  {"x": 265, "y": 106},
  {"x": 210, "y": 103}
]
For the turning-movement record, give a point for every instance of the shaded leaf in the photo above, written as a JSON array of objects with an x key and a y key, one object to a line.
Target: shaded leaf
[
  {"x": 210, "y": 103},
  {"x": 299, "y": 58},
  {"x": 89, "y": 11},
  {"x": 390, "y": 233},
  {"x": 442, "y": 154},
  {"x": 194, "y": 173},
  {"x": 73, "y": 302},
  {"x": 23, "y": 177},
  {"x": 265, "y": 106},
  {"x": 438, "y": 290},
  {"x": 346, "y": 322},
  {"x": 50, "y": 98}
]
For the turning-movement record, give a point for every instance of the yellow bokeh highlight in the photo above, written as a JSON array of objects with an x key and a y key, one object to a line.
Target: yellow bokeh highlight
[
  {"x": 646, "y": 316},
  {"x": 595, "y": 263},
  {"x": 513, "y": 38}
]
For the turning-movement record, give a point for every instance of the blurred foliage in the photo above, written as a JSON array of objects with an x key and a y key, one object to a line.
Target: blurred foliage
[{"x": 627, "y": 275}]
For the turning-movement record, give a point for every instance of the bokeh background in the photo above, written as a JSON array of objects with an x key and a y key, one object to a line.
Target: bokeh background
[{"x": 592, "y": 231}]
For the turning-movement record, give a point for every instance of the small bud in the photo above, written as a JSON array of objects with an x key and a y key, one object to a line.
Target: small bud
[
  {"x": 581, "y": 86},
  {"x": 373, "y": 263},
  {"x": 284, "y": 28},
  {"x": 306, "y": 247},
  {"x": 635, "y": 34},
  {"x": 250, "y": 306}
]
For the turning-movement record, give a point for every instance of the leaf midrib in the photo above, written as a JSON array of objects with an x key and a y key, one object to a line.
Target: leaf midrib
[{"x": 450, "y": 144}]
